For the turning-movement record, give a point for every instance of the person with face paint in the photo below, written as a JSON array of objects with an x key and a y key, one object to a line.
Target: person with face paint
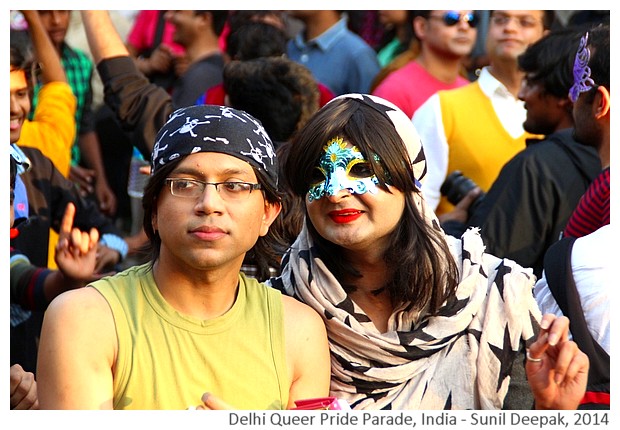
[
  {"x": 416, "y": 319},
  {"x": 188, "y": 328}
]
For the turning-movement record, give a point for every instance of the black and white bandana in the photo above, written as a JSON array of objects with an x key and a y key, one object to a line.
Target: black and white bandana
[{"x": 212, "y": 128}]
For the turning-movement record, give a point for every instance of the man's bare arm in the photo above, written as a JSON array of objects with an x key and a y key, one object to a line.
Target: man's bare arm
[
  {"x": 307, "y": 351},
  {"x": 77, "y": 352},
  {"x": 51, "y": 67},
  {"x": 103, "y": 38}
]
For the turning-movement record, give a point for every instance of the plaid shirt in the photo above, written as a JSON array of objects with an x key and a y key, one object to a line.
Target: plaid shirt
[{"x": 79, "y": 70}]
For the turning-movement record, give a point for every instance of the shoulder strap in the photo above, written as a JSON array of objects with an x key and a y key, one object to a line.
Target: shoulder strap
[{"x": 558, "y": 271}]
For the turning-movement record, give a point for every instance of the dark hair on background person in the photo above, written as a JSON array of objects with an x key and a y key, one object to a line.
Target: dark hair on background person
[
  {"x": 219, "y": 18},
  {"x": 239, "y": 18},
  {"x": 540, "y": 61},
  {"x": 416, "y": 249},
  {"x": 255, "y": 40},
  {"x": 598, "y": 41},
  {"x": 279, "y": 92},
  {"x": 263, "y": 253},
  {"x": 18, "y": 60}
]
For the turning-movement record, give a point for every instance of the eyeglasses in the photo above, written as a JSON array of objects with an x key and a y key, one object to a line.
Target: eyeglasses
[
  {"x": 452, "y": 17},
  {"x": 193, "y": 188},
  {"x": 522, "y": 21}
]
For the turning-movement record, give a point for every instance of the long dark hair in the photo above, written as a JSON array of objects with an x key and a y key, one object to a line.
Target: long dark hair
[
  {"x": 424, "y": 271},
  {"x": 262, "y": 254}
]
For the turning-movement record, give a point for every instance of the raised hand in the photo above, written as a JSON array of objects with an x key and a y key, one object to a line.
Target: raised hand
[
  {"x": 557, "y": 370},
  {"x": 76, "y": 251}
]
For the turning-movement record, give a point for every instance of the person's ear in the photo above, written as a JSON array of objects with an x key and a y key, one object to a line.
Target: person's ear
[
  {"x": 603, "y": 105},
  {"x": 420, "y": 25},
  {"x": 206, "y": 19},
  {"x": 272, "y": 210},
  {"x": 565, "y": 104}
]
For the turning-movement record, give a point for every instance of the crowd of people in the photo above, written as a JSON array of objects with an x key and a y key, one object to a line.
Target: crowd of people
[{"x": 347, "y": 204}]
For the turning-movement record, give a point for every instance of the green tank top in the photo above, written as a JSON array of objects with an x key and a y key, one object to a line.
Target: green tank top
[{"x": 167, "y": 360}]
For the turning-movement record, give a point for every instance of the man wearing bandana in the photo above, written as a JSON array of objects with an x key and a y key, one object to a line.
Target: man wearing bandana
[{"x": 188, "y": 328}]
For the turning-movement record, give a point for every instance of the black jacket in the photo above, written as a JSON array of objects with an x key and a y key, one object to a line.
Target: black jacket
[{"x": 529, "y": 203}]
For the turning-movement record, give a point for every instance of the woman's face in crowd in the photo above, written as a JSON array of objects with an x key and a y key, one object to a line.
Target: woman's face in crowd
[{"x": 344, "y": 202}]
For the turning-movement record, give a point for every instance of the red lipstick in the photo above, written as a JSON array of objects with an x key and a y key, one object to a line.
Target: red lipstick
[{"x": 345, "y": 215}]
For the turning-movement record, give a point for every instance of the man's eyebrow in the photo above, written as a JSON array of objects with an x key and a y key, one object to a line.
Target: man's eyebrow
[{"x": 198, "y": 172}]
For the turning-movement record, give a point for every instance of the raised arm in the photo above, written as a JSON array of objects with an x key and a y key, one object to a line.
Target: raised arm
[
  {"x": 103, "y": 38},
  {"x": 140, "y": 106},
  {"x": 51, "y": 67}
]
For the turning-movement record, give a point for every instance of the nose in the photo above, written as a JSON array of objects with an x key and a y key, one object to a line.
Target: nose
[
  {"x": 13, "y": 109},
  {"x": 336, "y": 186},
  {"x": 210, "y": 201},
  {"x": 56, "y": 15},
  {"x": 463, "y": 23},
  {"x": 335, "y": 196},
  {"x": 522, "y": 91},
  {"x": 512, "y": 24}
]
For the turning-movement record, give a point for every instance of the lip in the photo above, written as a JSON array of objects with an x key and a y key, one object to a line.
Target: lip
[
  {"x": 344, "y": 216},
  {"x": 207, "y": 233},
  {"x": 57, "y": 34},
  {"x": 15, "y": 124},
  {"x": 511, "y": 41},
  {"x": 462, "y": 39}
]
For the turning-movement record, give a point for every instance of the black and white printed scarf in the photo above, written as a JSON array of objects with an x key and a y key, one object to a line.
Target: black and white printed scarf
[{"x": 459, "y": 359}]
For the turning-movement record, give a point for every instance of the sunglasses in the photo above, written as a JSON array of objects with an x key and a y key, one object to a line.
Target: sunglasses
[{"x": 452, "y": 17}]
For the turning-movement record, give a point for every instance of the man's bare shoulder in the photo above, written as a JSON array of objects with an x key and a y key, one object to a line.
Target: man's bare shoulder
[
  {"x": 299, "y": 315},
  {"x": 83, "y": 304}
]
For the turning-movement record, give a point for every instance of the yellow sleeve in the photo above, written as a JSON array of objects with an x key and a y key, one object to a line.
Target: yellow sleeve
[{"x": 53, "y": 128}]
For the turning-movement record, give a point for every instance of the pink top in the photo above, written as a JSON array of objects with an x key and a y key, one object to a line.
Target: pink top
[
  {"x": 411, "y": 85},
  {"x": 142, "y": 32}
]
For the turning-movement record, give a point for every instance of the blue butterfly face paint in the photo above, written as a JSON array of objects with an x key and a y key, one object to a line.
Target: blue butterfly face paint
[{"x": 342, "y": 167}]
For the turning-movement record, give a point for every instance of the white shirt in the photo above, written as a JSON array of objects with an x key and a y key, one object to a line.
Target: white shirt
[
  {"x": 427, "y": 120},
  {"x": 590, "y": 261}
]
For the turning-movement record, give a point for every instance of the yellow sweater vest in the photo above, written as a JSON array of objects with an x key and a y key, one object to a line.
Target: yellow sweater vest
[
  {"x": 478, "y": 143},
  {"x": 167, "y": 360}
]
